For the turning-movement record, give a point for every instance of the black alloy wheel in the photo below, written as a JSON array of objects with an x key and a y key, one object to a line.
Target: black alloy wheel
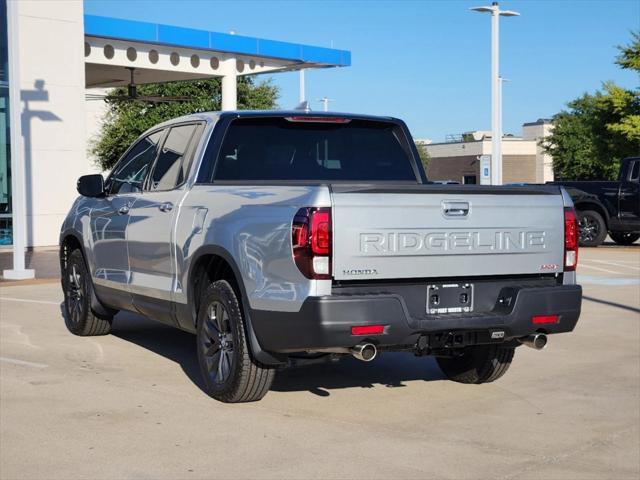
[
  {"x": 229, "y": 371},
  {"x": 624, "y": 238},
  {"x": 80, "y": 318},
  {"x": 592, "y": 229},
  {"x": 217, "y": 343},
  {"x": 75, "y": 295},
  {"x": 477, "y": 364}
]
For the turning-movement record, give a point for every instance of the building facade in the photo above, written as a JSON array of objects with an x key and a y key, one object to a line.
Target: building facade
[
  {"x": 62, "y": 52},
  {"x": 523, "y": 158}
]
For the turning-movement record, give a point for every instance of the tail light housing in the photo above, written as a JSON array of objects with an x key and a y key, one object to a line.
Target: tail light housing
[
  {"x": 311, "y": 238},
  {"x": 570, "y": 239},
  {"x": 544, "y": 319},
  {"x": 367, "y": 330}
]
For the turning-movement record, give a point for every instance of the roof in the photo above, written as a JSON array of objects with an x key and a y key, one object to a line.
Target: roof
[
  {"x": 215, "y": 116},
  {"x": 132, "y": 30},
  {"x": 540, "y": 121},
  {"x": 298, "y": 113}
]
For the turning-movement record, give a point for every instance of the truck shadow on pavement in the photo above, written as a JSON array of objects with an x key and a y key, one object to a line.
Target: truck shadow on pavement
[
  {"x": 389, "y": 369},
  {"x": 169, "y": 342}
]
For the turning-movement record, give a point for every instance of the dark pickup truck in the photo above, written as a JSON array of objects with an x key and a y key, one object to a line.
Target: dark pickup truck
[{"x": 608, "y": 207}]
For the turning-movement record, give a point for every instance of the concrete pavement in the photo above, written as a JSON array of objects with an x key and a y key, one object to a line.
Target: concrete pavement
[{"x": 129, "y": 405}]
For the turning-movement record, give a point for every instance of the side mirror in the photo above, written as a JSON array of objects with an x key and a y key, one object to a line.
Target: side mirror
[{"x": 91, "y": 185}]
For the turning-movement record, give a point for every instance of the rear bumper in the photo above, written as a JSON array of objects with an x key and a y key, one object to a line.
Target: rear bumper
[{"x": 325, "y": 322}]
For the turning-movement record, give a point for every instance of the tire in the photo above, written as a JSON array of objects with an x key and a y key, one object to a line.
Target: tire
[
  {"x": 592, "y": 228},
  {"x": 622, "y": 238},
  {"x": 79, "y": 318},
  {"x": 229, "y": 372},
  {"x": 478, "y": 364}
]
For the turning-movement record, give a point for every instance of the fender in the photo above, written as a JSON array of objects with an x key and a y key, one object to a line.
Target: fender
[
  {"x": 596, "y": 205},
  {"x": 254, "y": 344},
  {"x": 589, "y": 200}
]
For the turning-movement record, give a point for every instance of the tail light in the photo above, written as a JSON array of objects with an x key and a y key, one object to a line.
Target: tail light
[
  {"x": 367, "y": 330},
  {"x": 544, "y": 319},
  {"x": 570, "y": 239},
  {"x": 311, "y": 242}
]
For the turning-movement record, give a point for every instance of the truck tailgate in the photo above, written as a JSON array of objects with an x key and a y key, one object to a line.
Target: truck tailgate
[{"x": 432, "y": 232}]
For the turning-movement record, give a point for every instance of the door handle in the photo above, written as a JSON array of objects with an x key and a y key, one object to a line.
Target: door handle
[
  {"x": 455, "y": 209},
  {"x": 166, "y": 207},
  {"x": 123, "y": 210}
]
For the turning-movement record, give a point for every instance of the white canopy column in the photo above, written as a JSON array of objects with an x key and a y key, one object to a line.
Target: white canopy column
[
  {"x": 229, "y": 84},
  {"x": 18, "y": 176}
]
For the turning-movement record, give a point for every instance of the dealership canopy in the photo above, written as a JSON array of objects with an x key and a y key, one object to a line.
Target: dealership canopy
[
  {"x": 160, "y": 53},
  {"x": 45, "y": 71}
]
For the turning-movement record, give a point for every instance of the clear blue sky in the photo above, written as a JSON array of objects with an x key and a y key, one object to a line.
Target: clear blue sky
[{"x": 427, "y": 62}]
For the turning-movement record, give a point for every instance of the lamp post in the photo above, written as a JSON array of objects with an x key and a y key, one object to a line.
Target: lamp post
[
  {"x": 301, "y": 94},
  {"x": 496, "y": 113},
  {"x": 325, "y": 102},
  {"x": 18, "y": 180}
]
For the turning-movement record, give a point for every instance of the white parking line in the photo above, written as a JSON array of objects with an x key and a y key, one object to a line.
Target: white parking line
[
  {"x": 634, "y": 262},
  {"x": 584, "y": 265},
  {"x": 23, "y": 363},
  {"x": 633, "y": 267},
  {"x": 610, "y": 281},
  {"x": 28, "y": 300}
]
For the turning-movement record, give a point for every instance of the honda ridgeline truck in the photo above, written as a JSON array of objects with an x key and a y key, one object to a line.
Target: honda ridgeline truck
[{"x": 281, "y": 238}]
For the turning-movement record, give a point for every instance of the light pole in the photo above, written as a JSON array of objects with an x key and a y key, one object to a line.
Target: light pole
[
  {"x": 301, "y": 94},
  {"x": 325, "y": 103},
  {"x": 496, "y": 113},
  {"x": 18, "y": 177},
  {"x": 501, "y": 81}
]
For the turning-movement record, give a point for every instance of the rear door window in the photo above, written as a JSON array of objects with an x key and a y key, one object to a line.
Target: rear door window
[
  {"x": 171, "y": 167},
  {"x": 634, "y": 171},
  {"x": 286, "y": 149}
]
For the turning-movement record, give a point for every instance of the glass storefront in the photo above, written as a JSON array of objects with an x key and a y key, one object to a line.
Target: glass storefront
[{"x": 5, "y": 159}]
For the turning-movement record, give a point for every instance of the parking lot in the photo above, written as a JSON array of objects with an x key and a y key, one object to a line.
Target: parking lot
[{"x": 129, "y": 405}]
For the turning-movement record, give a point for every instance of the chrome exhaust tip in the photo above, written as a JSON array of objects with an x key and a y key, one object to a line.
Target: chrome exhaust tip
[
  {"x": 364, "y": 351},
  {"x": 537, "y": 341}
]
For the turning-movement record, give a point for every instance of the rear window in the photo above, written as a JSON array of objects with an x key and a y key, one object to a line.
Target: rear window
[{"x": 280, "y": 149}]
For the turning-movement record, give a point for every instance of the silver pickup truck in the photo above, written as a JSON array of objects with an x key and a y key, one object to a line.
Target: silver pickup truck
[{"x": 281, "y": 238}]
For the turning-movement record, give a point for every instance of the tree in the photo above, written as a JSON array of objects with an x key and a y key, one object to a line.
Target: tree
[
  {"x": 126, "y": 120},
  {"x": 598, "y": 130},
  {"x": 424, "y": 155},
  {"x": 629, "y": 57}
]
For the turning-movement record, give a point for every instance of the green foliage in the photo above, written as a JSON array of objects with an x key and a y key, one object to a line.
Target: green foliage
[
  {"x": 126, "y": 120},
  {"x": 598, "y": 130},
  {"x": 626, "y": 105},
  {"x": 424, "y": 155},
  {"x": 629, "y": 57},
  {"x": 625, "y": 102},
  {"x": 468, "y": 137},
  {"x": 586, "y": 142}
]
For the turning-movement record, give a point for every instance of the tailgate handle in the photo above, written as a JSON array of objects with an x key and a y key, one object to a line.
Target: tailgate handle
[{"x": 455, "y": 209}]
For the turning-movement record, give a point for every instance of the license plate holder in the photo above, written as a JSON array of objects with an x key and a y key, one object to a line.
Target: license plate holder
[{"x": 444, "y": 298}]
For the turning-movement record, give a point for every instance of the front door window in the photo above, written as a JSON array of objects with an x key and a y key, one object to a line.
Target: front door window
[{"x": 130, "y": 173}]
